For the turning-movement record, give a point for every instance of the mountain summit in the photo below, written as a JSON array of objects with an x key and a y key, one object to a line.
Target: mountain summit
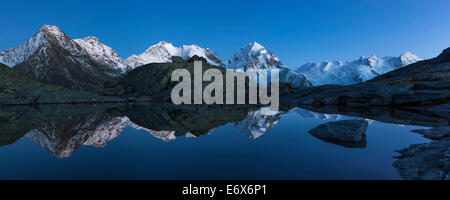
[
  {"x": 163, "y": 52},
  {"x": 255, "y": 58},
  {"x": 52, "y": 57},
  {"x": 46, "y": 34},
  {"x": 101, "y": 53}
]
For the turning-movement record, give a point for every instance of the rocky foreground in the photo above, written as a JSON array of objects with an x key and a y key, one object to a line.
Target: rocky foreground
[{"x": 428, "y": 161}]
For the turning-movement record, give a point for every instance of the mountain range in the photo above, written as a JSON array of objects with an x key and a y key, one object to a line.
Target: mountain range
[
  {"x": 353, "y": 72},
  {"x": 50, "y": 56},
  {"x": 422, "y": 87}
]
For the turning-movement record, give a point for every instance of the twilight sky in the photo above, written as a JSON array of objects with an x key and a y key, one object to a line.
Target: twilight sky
[{"x": 297, "y": 31}]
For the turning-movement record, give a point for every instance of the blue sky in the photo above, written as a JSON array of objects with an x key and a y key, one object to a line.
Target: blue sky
[{"x": 297, "y": 31}]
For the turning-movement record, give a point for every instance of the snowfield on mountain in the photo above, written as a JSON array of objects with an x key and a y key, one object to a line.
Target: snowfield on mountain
[
  {"x": 353, "y": 72},
  {"x": 255, "y": 58}
]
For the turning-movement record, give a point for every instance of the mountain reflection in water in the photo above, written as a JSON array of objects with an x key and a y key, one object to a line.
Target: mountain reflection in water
[{"x": 63, "y": 129}]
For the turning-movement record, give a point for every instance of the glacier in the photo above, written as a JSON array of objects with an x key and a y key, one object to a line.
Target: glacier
[
  {"x": 255, "y": 58},
  {"x": 353, "y": 72}
]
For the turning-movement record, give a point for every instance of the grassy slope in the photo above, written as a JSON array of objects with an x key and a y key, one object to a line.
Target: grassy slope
[{"x": 17, "y": 89}]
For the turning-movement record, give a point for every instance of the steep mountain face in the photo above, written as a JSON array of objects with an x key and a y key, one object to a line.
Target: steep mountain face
[
  {"x": 14, "y": 56},
  {"x": 255, "y": 58},
  {"x": 102, "y": 54},
  {"x": 163, "y": 52},
  {"x": 52, "y": 57},
  {"x": 353, "y": 72}
]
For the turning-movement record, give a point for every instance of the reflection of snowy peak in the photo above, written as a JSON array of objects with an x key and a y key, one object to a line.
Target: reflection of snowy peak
[
  {"x": 163, "y": 135},
  {"x": 256, "y": 124},
  {"x": 163, "y": 52},
  {"x": 357, "y": 71},
  {"x": 107, "y": 131},
  {"x": 313, "y": 115},
  {"x": 63, "y": 139}
]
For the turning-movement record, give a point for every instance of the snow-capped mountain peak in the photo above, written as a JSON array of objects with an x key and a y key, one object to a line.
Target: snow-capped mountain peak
[
  {"x": 352, "y": 72},
  {"x": 164, "y": 45},
  {"x": 48, "y": 36},
  {"x": 372, "y": 61},
  {"x": 257, "y": 48},
  {"x": 191, "y": 50},
  {"x": 409, "y": 58},
  {"x": 158, "y": 53},
  {"x": 101, "y": 53},
  {"x": 187, "y": 51},
  {"x": 163, "y": 52},
  {"x": 52, "y": 57},
  {"x": 254, "y": 57},
  {"x": 41, "y": 40},
  {"x": 54, "y": 31},
  {"x": 14, "y": 56},
  {"x": 56, "y": 36}
]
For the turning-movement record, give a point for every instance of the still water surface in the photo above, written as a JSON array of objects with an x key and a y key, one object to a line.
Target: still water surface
[{"x": 127, "y": 146}]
